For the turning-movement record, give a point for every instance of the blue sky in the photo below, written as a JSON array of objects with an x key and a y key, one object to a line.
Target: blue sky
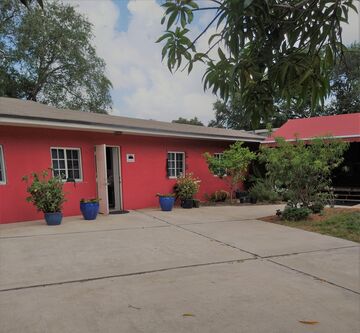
[{"x": 125, "y": 34}]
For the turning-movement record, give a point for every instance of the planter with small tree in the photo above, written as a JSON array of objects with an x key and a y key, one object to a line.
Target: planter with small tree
[
  {"x": 186, "y": 187},
  {"x": 47, "y": 195}
]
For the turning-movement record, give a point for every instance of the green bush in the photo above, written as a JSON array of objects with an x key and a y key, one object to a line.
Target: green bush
[
  {"x": 303, "y": 169},
  {"x": 219, "y": 196},
  {"x": 187, "y": 186},
  {"x": 46, "y": 193},
  {"x": 262, "y": 191},
  {"x": 232, "y": 166},
  {"x": 317, "y": 207},
  {"x": 295, "y": 213}
]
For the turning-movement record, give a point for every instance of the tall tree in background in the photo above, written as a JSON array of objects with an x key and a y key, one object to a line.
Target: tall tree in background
[
  {"x": 344, "y": 97},
  {"x": 267, "y": 49},
  {"x": 231, "y": 114},
  {"x": 345, "y": 83},
  {"x": 47, "y": 56},
  {"x": 192, "y": 121}
]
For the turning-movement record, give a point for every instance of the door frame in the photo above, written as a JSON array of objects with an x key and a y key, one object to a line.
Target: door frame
[
  {"x": 118, "y": 161},
  {"x": 103, "y": 182}
]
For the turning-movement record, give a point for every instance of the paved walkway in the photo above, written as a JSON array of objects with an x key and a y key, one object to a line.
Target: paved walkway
[{"x": 212, "y": 269}]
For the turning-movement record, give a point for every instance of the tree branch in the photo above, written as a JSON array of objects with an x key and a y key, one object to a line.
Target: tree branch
[{"x": 203, "y": 32}]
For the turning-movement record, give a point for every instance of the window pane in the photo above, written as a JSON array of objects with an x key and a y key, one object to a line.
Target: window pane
[
  {"x": 63, "y": 174},
  {"x": 75, "y": 154},
  {"x": 56, "y": 173},
  {"x": 76, "y": 174},
  {"x": 55, "y": 164},
  {"x": 69, "y": 164},
  {"x": 179, "y": 157},
  {"x": 68, "y": 154},
  {"x": 171, "y": 156},
  {"x": 61, "y": 153},
  {"x": 54, "y": 153},
  {"x": 62, "y": 164},
  {"x": 70, "y": 174},
  {"x": 76, "y": 164}
]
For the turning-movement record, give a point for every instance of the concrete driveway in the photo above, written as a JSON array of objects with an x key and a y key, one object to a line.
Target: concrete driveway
[{"x": 212, "y": 269}]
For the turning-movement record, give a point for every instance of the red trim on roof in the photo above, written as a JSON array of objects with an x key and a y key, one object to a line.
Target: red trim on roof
[{"x": 343, "y": 126}]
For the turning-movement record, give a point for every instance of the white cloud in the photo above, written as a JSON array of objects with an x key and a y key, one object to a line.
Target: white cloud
[
  {"x": 134, "y": 65},
  {"x": 142, "y": 85},
  {"x": 351, "y": 31}
]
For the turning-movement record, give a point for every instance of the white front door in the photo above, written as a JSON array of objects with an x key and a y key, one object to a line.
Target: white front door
[{"x": 101, "y": 178}]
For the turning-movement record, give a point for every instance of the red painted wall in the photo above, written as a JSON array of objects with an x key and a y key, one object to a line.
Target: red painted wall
[{"x": 28, "y": 149}]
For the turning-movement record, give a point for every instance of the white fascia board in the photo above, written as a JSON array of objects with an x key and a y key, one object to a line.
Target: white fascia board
[{"x": 110, "y": 129}]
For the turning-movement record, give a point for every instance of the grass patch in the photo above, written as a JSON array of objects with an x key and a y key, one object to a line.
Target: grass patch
[{"x": 337, "y": 222}]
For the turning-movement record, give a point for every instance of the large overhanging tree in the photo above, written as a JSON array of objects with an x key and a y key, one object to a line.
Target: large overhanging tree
[
  {"x": 46, "y": 55},
  {"x": 266, "y": 49}
]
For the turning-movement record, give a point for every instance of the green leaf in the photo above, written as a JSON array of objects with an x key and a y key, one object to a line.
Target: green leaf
[
  {"x": 183, "y": 19},
  {"x": 247, "y": 3},
  {"x": 172, "y": 18}
]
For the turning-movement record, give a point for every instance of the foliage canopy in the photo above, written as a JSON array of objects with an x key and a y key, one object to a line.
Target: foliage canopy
[
  {"x": 47, "y": 56},
  {"x": 232, "y": 165},
  {"x": 303, "y": 170},
  {"x": 265, "y": 49},
  {"x": 192, "y": 121}
]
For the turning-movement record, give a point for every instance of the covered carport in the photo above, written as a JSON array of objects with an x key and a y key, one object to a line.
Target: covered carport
[{"x": 346, "y": 127}]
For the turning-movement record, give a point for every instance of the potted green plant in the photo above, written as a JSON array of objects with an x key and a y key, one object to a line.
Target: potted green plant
[
  {"x": 47, "y": 195},
  {"x": 186, "y": 187},
  {"x": 89, "y": 208},
  {"x": 166, "y": 201}
]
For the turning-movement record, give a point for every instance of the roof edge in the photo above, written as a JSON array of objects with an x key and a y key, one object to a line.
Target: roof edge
[{"x": 32, "y": 121}]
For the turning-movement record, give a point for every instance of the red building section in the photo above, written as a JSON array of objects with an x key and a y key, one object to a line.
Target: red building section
[
  {"x": 143, "y": 163},
  {"x": 343, "y": 126},
  {"x": 346, "y": 127}
]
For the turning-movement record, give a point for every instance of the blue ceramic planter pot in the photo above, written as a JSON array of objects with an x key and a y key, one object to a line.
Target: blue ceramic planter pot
[
  {"x": 166, "y": 203},
  {"x": 53, "y": 218},
  {"x": 89, "y": 210}
]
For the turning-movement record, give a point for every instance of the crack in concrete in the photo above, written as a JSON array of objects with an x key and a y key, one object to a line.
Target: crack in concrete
[
  {"x": 234, "y": 261},
  {"x": 311, "y": 251},
  {"x": 84, "y": 232},
  {"x": 313, "y": 276},
  {"x": 181, "y": 227},
  {"x": 208, "y": 237},
  {"x": 268, "y": 258}
]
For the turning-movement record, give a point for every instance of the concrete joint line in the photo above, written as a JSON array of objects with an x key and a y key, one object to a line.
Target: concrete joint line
[
  {"x": 222, "y": 221},
  {"x": 181, "y": 227},
  {"x": 84, "y": 232},
  {"x": 312, "y": 251},
  {"x": 314, "y": 277},
  {"x": 236, "y": 261}
]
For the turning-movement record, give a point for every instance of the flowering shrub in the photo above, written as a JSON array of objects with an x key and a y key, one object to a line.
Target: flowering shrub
[
  {"x": 187, "y": 186},
  {"x": 46, "y": 193}
]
